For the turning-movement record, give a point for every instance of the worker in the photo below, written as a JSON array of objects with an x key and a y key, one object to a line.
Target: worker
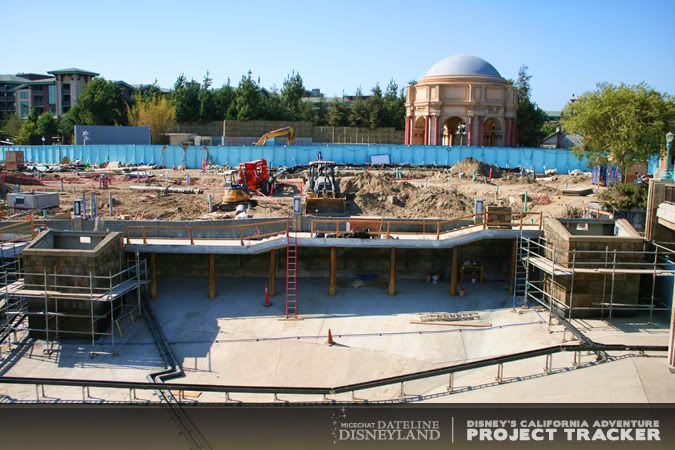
[
  {"x": 240, "y": 212},
  {"x": 319, "y": 156}
]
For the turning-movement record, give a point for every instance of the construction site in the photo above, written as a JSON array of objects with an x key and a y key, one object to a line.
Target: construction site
[{"x": 328, "y": 283}]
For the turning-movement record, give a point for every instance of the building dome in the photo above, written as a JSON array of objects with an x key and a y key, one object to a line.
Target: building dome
[{"x": 463, "y": 66}]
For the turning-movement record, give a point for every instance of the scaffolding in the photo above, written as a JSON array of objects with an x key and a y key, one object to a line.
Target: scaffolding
[
  {"x": 537, "y": 259},
  {"x": 98, "y": 299}
]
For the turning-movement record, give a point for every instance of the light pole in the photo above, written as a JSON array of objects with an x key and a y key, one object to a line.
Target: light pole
[
  {"x": 43, "y": 140},
  {"x": 85, "y": 137},
  {"x": 669, "y": 145}
]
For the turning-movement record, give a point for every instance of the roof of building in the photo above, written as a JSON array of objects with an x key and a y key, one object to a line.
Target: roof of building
[
  {"x": 8, "y": 78},
  {"x": 463, "y": 66},
  {"x": 28, "y": 83},
  {"x": 72, "y": 70},
  {"x": 563, "y": 140}
]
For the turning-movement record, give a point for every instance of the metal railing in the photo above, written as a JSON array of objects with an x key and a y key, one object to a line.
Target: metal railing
[
  {"x": 385, "y": 229},
  {"x": 241, "y": 232}
]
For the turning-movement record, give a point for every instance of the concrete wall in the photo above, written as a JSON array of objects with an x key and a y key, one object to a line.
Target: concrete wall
[
  {"x": 593, "y": 251},
  {"x": 108, "y": 256}
]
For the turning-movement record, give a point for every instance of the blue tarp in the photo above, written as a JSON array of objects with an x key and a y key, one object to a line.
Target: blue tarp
[{"x": 538, "y": 159}]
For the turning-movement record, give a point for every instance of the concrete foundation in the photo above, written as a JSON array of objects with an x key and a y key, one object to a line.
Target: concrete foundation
[
  {"x": 600, "y": 244},
  {"x": 71, "y": 268}
]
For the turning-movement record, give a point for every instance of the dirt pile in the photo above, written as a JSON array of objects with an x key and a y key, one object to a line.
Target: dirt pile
[
  {"x": 469, "y": 166},
  {"x": 378, "y": 195}
]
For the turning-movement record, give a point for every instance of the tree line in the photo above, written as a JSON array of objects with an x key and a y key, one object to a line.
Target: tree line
[{"x": 103, "y": 102}]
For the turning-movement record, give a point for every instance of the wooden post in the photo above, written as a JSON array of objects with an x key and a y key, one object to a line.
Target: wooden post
[
  {"x": 333, "y": 264},
  {"x": 392, "y": 272},
  {"x": 212, "y": 276},
  {"x": 453, "y": 272},
  {"x": 153, "y": 275},
  {"x": 272, "y": 283},
  {"x": 512, "y": 272}
]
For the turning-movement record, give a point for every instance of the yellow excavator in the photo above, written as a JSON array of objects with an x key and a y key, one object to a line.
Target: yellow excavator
[
  {"x": 235, "y": 193},
  {"x": 288, "y": 132}
]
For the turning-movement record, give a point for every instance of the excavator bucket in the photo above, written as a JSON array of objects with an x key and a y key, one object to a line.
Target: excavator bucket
[{"x": 325, "y": 206}]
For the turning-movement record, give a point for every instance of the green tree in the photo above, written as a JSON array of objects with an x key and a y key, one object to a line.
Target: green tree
[
  {"x": 27, "y": 133},
  {"x": 101, "y": 103},
  {"x": 11, "y": 126},
  {"x": 272, "y": 106},
  {"x": 248, "y": 99},
  {"x": 359, "y": 116},
  {"x": 321, "y": 113},
  {"x": 620, "y": 124},
  {"x": 223, "y": 97},
  {"x": 376, "y": 111},
  {"x": 47, "y": 125},
  {"x": 186, "y": 100},
  {"x": 207, "y": 101},
  {"x": 291, "y": 94},
  {"x": 149, "y": 91},
  {"x": 531, "y": 117},
  {"x": 394, "y": 106},
  {"x": 337, "y": 114}
]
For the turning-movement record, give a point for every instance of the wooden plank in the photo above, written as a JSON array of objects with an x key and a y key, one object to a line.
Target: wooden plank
[{"x": 458, "y": 323}]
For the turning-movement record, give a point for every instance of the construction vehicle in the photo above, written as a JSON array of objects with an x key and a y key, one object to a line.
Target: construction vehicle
[
  {"x": 288, "y": 132},
  {"x": 323, "y": 192},
  {"x": 235, "y": 193},
  {"x": 255, "y": 176}
]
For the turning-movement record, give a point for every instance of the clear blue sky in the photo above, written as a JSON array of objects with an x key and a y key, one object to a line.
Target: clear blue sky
[{"x": 338, "y": 46}]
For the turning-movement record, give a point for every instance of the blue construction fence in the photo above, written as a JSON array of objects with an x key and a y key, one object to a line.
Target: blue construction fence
[{"x": 538, "y": 159}]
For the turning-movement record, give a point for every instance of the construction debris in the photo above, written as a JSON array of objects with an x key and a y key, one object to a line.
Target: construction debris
[
  {"x": 449, "y": 317},
  {"x": 578, "y": 191},
  {"x": 166, "y": 189}
]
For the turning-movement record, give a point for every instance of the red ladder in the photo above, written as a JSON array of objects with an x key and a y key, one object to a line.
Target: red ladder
[{"x": 291, "y": 272}]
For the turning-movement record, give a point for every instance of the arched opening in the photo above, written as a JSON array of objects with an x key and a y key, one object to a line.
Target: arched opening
[
  {"x": 455, "y": 132},
  {"x": 418, "y": 131},
  {"x": 492, "y": 133}
]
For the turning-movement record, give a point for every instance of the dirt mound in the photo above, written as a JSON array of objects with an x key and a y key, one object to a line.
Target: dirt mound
[
  {"x": 378, "y": 195},
  {"x": 468, "y": 166}
]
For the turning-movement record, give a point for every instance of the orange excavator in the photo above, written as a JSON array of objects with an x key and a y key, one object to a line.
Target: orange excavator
[{"x": 288, "y": 132}]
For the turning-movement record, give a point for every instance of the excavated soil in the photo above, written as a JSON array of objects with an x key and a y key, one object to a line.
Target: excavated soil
[{"x": 420, "y": 192}]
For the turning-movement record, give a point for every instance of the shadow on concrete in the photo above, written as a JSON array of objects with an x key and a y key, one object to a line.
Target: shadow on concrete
[{"x": 191, "y": 320}]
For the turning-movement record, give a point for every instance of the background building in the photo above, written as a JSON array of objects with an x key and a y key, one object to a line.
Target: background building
[
  {"x": 461, "y": 100},
  {"x": 69, "y": 86}
]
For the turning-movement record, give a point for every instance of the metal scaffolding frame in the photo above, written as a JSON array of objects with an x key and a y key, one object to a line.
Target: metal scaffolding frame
[
  {"x": 91, "y": 289},
  {"x": 534, "y": 254}
]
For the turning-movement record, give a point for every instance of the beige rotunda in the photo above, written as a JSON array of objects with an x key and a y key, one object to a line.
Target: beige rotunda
[{"x": 461, "y": 100}]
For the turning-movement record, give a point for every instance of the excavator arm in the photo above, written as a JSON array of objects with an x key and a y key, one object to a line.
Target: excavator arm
[{"x": 281, "y": 132}]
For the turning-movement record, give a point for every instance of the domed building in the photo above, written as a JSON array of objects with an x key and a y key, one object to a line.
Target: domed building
[{"x": 461, "y": 100}]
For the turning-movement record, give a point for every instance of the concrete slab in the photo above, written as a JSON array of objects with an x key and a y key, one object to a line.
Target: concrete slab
[{"x": 234, "y": 339}]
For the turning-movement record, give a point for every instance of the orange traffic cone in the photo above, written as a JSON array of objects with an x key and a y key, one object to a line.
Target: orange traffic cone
[
  {"x": 330, "y": 340},
  {"x": 267, "y": 298}
]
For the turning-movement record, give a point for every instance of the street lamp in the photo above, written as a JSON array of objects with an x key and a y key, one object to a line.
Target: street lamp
[
  {"x": 85, "y": 137},
  {"x": 43, "y": 140},
  {"x": 669, "y": 145}
]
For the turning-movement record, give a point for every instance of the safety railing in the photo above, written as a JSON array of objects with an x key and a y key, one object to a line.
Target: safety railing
[
  {"x": 242, "y": 232},
  {"x": 387, "y": 229},
  {"x": 24, "y": 230}
]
